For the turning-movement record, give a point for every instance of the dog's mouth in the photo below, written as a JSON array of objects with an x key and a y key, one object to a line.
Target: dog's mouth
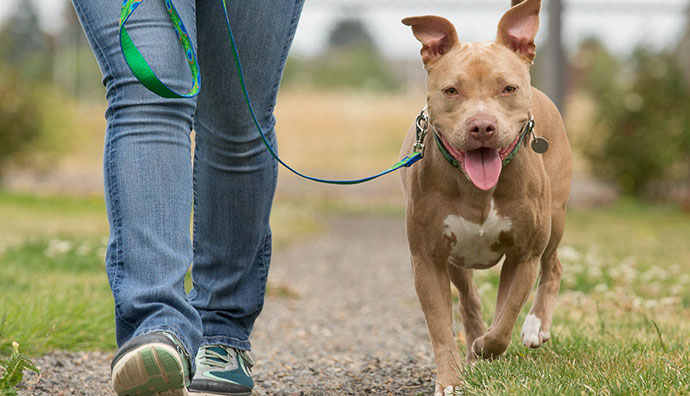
[{"x": 482, "y": 165}]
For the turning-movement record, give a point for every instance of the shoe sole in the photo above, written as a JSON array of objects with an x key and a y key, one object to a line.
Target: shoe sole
[
  {"x": 193, "y": 393},
  {"x": 149, "y": 370}
]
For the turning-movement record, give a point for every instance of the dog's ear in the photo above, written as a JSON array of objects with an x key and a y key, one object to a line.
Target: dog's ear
[
  {"x": 518, "y": 27},
  {"x": 436, "y": 34}
]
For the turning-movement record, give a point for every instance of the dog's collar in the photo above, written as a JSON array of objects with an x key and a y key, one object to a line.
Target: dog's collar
[{"x": 529, "y": 127}]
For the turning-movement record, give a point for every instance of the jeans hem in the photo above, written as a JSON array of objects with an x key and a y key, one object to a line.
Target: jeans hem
[{"x": 236, "y": 343}]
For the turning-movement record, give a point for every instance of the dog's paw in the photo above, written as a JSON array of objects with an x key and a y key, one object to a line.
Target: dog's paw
[
  {"x": 487, "y": 347},
  {"x": 470, "y": 357},
  {"x": 450, "y": 390},
  {"x": 532, "y": 334}
]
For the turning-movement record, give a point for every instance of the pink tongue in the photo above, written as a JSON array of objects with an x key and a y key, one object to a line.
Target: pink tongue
[{"x": 483, "y": 166}]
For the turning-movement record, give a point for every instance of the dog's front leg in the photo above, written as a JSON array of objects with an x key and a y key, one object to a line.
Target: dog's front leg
[
  {"x": 433, "y": 290},
  {"x": 470, "y": 307},
  {"x": 515, "y": 285}
]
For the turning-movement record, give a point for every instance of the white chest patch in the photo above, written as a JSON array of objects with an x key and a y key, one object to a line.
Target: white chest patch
[{"x": 470, "y": 243}]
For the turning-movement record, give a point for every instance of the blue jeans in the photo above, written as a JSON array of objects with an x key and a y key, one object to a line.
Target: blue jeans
[{"x": 151, "y": 183}]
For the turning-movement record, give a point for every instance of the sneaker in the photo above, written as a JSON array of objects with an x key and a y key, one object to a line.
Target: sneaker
[
  {"x": 154, "y": 364},
  {"x": 222, "y": 370}
]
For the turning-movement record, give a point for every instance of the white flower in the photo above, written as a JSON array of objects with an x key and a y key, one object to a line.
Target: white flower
[
  {"x": 594, "y": 272},
  {"x": 651, "y": 303},
  {"x": 84, "y": 249},
  {"x": 625, "y": 271},
  {"x": 676, "y": 289},
  {"x": 637, "y": 302},
  {"x": 485, "y": 288},
  {"x": 670, "y": 300},
  {"x": 568, "y": 253},
  {"x": 57, "y": 247},
  {"x": 654, "y": 273}
]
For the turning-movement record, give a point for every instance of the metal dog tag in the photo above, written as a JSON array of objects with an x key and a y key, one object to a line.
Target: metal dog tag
[{"x": 540, "y": 145}]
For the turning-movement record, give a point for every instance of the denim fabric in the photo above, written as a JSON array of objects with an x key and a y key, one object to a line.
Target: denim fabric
[{"x": 151, "y": 184}]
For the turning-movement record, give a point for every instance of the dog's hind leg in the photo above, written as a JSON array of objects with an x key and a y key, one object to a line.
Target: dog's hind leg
[
  {"x": 536, "y": 329},
  {"x": 470, "y": 307}
]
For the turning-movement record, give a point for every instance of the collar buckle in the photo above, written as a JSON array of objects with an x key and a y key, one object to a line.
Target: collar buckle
[{"x": 422, "y": 127}]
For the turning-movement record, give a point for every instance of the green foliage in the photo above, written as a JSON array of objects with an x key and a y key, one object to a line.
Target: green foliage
[
  {"x": 37, "y": 123},
  {"x": 20, "y": 124},
  {"x": 642, "y": 134},
  {"x": 39, "y": 75},
  {"x": 12, "y": 370}
]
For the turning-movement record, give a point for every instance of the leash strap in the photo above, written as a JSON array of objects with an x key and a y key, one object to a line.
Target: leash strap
[{"x": 143, "y": 72}]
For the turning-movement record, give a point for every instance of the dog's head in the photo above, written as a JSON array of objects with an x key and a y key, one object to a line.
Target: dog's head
[{"x": 479, "y": 94}]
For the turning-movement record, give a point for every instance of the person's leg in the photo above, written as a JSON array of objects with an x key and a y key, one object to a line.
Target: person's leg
[
  {"x": 234, "y": 175},
  {"x": 147, "y": 171},
  {"x": 234, "y": 182}
]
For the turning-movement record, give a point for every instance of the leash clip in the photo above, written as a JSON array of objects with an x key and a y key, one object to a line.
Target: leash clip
[{"x": 422, "y": 127}]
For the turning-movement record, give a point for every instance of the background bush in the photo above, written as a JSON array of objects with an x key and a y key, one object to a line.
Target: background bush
[
  {"x": 641, "y": 137},
  {"x": 20, "y": 121}
]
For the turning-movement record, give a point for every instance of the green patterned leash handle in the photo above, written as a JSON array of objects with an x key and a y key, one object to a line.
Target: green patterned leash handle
[
  {"x": 143, "y": 72},
  {"x": 141, "y": 69}
]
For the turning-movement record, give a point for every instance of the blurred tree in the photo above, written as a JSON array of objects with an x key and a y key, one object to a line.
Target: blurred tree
[
  {"x": 350, "y": 33},
  {"x": 643, "y": 132},
  {"x": 351, "y": 60},
  {"x": 25, "y": 46}
]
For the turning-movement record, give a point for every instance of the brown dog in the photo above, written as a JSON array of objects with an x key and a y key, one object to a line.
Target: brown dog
[{"x": 467, "y": 207}]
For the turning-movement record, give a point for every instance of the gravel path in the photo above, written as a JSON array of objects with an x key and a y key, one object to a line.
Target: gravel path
[{"x": 350, "y": 325}]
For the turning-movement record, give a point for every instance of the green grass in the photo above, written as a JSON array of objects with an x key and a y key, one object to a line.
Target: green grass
[
  {"x": 55, "y": 295},
  {"x": 622, "y": 321},
  {"x": 621, "y": 324},
  {"x": 25, "y": 216},
  {"x": 54, "y": 292}
]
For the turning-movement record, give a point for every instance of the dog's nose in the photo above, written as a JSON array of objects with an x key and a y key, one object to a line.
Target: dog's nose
[{"x": 481, "y": 128}]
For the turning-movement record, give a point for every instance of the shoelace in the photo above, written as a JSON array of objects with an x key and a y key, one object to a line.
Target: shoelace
[{"x": 218, "y": 360}]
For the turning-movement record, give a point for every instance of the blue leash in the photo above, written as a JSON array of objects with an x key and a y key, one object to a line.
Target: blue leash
[{"x": 147, "y": 77}]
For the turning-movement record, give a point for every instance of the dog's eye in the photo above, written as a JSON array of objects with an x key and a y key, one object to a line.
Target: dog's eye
[
  {"x": 450, "y": 91},
  {"x": 509, "y": 89}
]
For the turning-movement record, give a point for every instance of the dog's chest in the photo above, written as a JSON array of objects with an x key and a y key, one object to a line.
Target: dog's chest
[{"x": 473, "y": 245}]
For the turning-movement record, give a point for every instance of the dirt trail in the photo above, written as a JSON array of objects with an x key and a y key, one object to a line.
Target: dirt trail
[{"x": 356, "y": 327}]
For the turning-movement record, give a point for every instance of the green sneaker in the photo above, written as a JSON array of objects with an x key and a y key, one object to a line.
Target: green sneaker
[
  {"x": 154, "y": 364},
  {"x": 222, "y": 370}
]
